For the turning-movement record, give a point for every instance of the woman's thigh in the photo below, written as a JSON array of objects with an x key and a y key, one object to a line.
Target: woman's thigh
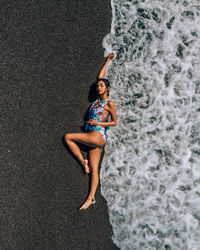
[
  {"x": 92, "y": 139},
  {"x": 94, "y": 156}
]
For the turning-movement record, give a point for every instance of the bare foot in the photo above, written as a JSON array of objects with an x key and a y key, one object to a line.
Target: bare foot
[
  {"x": 87, "y": 203},
  {"x": 85, "y": 164}
]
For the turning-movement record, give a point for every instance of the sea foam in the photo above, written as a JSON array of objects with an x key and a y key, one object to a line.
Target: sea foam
[{"x": 151, "y": 170}]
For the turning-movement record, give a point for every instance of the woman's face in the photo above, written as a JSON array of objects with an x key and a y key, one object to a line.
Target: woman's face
[{"x": 101, "y": 88}]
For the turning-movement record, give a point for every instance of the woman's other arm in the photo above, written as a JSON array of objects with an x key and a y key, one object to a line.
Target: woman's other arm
[{"x": 112, "y": 110}]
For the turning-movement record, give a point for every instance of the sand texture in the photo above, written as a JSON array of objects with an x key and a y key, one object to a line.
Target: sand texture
[{"x": 51, "y": 53}]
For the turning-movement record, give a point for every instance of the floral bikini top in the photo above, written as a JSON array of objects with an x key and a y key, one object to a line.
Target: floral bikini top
[{"x": 96, "y": 112}]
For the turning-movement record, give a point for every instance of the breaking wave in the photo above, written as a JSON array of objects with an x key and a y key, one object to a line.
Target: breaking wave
[{"x": 151, "y": 168}]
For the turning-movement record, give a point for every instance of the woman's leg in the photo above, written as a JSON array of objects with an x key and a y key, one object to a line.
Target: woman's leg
[
  {"x": 92, "y": 139},
  {"x": 94, "y": 159}
]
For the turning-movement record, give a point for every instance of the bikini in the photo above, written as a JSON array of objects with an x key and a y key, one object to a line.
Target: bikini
[{"x": 96, "y": 113}]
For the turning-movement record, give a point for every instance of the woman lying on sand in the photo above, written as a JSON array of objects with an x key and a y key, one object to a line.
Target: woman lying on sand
[{"x": 95, "y": 136}]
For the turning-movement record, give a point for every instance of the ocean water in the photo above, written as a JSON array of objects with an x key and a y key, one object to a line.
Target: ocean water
[{"x": 151, "y": 170}]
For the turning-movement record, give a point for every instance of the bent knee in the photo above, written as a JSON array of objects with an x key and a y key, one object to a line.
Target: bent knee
[{"x": 67, "y": 137}]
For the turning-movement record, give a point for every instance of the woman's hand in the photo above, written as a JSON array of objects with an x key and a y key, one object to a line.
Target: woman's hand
[
  {"x": 111, "y": 55},
  {"x": 92, "y": 123},
  {"x": 103, "y": 70}
]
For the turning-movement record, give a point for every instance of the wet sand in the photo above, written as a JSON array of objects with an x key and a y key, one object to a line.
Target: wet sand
[{"x": 51, "y": 53}]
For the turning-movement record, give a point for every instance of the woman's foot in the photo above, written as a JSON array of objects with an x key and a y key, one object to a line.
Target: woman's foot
[
  {"x": 85, "y": 165},
  {"x": 87, "y": 203}
]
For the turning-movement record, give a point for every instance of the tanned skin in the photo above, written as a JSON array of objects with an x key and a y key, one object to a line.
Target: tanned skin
[{"x": 94, "y": 139}]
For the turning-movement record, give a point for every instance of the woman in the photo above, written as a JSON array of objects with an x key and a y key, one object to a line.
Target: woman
[{"x": 95, "y": 136}]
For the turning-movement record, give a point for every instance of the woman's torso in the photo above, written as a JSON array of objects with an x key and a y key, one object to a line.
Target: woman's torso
[{"x": 99, "y": 113}]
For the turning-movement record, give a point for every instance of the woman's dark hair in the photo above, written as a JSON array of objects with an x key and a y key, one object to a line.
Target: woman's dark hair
[{"x": 107, "y": 83}]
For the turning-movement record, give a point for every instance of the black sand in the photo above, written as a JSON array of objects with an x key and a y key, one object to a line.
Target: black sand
[{"x": 51, "y": 53}]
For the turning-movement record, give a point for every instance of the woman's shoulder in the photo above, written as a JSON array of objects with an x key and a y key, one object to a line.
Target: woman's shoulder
[{"x": 111, "y": 104}]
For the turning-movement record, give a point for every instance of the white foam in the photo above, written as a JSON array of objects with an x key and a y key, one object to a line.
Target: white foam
[{"x": 151, "y": 169}]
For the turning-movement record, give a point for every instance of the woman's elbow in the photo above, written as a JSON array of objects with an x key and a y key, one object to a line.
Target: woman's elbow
[{"x": 115, "y": 123}]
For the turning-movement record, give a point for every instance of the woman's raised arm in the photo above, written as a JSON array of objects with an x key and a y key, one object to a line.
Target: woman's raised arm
[{"x": 104, "y": 68}]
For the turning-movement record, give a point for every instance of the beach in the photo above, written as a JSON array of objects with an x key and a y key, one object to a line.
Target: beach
[{"x": 51, "y": 54}]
